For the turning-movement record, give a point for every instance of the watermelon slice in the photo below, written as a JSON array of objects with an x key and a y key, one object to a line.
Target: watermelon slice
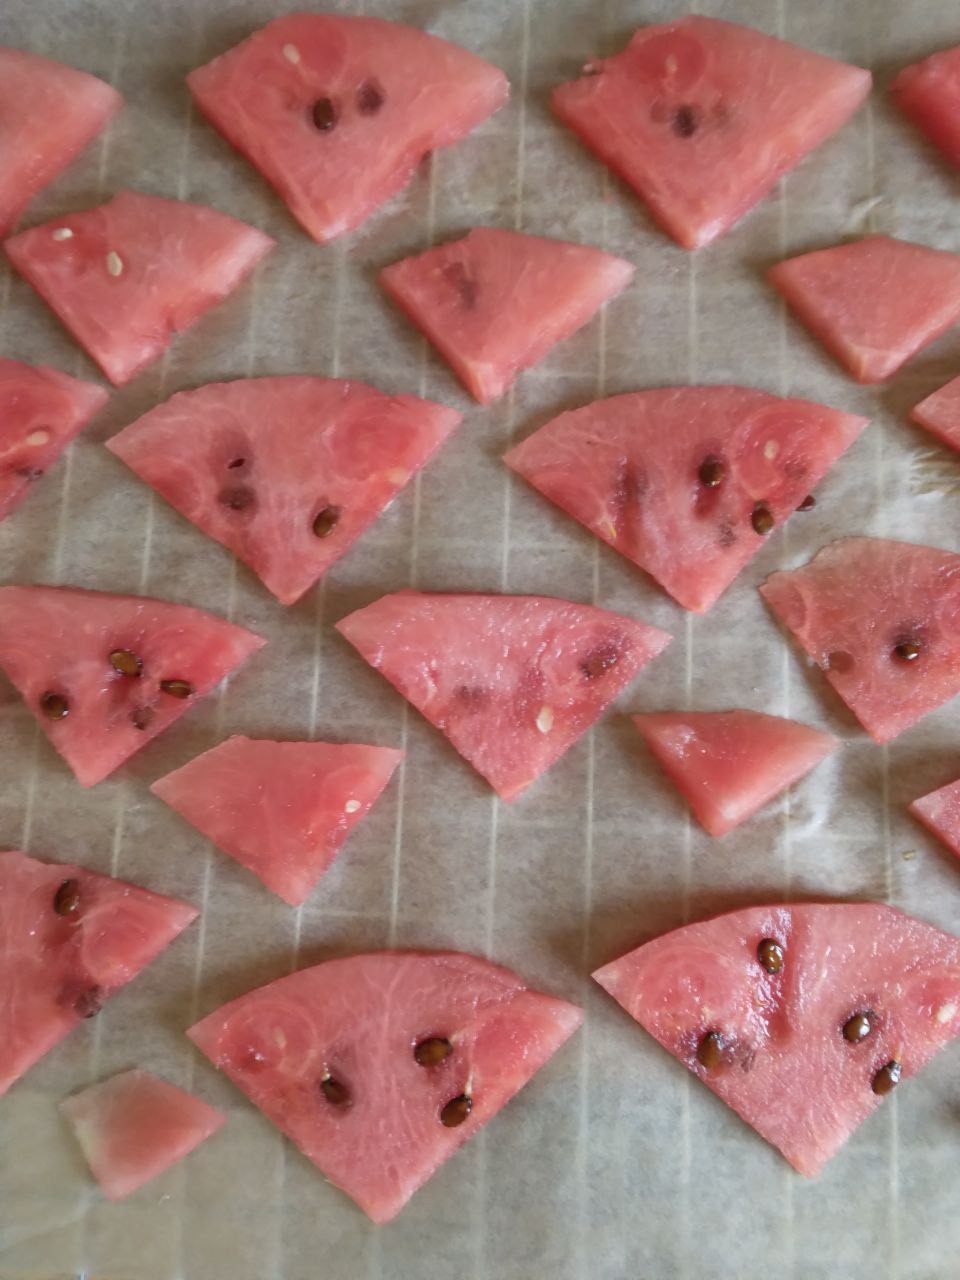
[
  {"x": 69, "y": 939},
  {"x": 929, "y": 93},
  {"x": 126, "y": 276},
  {"x": 685, "y": 481},
  {"x": 48, "y": 114},
  {"x": 703, "y": 117},
  {"x": 286, "y": 472},
  {"x": 282, "y": 809},
  {"x": 104, "y": 674},
  {"x": 512, "y": 681},
  {"x": 939, "y": 811},
  {"x": 380, "y": 1066},
  {"x": 801, "y": 1018},
  {"x": 873, "y": 303},
  {"x": 337, "y": 112},
  {"x": 882, "y": 621},
  {"x": 41, "y": 410},
  {"x": 495, "y": 302},
  {"x": 940, "y": 414},
  {"x": 729, "y": 764}
]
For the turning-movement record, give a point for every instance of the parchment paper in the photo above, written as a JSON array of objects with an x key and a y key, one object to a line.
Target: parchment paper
[{"x": 613, "y": 1164}]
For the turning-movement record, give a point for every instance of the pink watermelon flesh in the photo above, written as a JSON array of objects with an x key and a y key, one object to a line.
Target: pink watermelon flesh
[
  {"x": 495, "y": 302},
  {"x": 328, "y": 1054},
  {"x": 64, "y": 650},
  {"x": 940, "y": 414},
  {"x": 41, "y": 410},
  {"x": 282, "y": 809},
  {"x": 58, "y": 967},
  {"x": 728, "y": 764},
  {"x": 48, "y": 114},
  {"x": 286, "y": 472},
  {"x": 940, "y": 813},
  {"x": 929, "y": 93},
  {"x": 337, "y": 112},
  {"x": 882, "y": 621},
  {"x": 512, "y": 681},
  {"x": 874, "y": 303},
  {"x": 629, "y": 468},
  {"x": 703, "y": 117},
  {"x": 133, "y": 272}
]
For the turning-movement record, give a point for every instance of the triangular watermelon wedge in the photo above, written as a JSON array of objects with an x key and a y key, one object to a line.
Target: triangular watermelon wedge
[
  {"x": 41, "y": 410},
  {"x": 882, "y": 621},
  {"x": 495, "y": 302},
  {"x": 929, "y": 93},
  {"x": 728, "y": 764},
  {"x": 69, "y": 939},
  {"x": 802, "y": 1018},
  {"x": 126, "y": 276},
  {"x": 939, "y": 811},
  {"x": 686, "y": 482},
  {"x": 282, "y": 809},
  {"x": 939, "y": 414},
  {"x": 337, "y": 112},
  {"x": 286, "y": 472},
  {"x": 873, "y": 303},
  {"x": 380, "y": 1066},
  {"x": 512, "y": 681},
  {"x": 104, "y": 674}
]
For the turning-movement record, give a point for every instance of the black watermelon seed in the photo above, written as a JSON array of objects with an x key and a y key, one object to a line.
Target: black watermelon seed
[
  {"x": 858, "y": 1027},
  {"x": 176, "y": 688},
  {"x": 370, "y": 98},
  {"x": 66, "y": 901},
  {"x": 456, "y": 1111},
  {"x": 711, "y": 473},
  {"x": 808, "y": 503},
  {"x": 125, "y": 662},
  {"x": 140, "y": 717},
  {"x": 237, "y": 499},
  {"x": 762, "y": 519},
  {"x": 770, "y": 955},
  {"x": 325, "y": 114},
  {"x": 89, "y": 1003},
  {"x": 907, "y": 651},
  {"x": 54, "y": 706},
  {"x": 887, "y": 1078},
  {"x": 685, "y": 121},
  {"x": 325, "y": 521},
  {"x": 429, "y": 1052},
  {"x": 710, "y": 1050},
  {"x": 599, "y": 661},
  {"x": 337, "y": 1094}
]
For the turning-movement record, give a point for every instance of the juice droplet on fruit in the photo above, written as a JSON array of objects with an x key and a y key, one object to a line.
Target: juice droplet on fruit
[
  {"x": 770, "y": 955},
  {"x": 430, "y": 1052}
]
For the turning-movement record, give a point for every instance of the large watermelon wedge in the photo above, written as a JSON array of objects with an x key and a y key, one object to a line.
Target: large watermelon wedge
[
  {"x": 801, "y": 1018},
  {"x": 939, "y": 414},
  {"x": 286, "y": 472},
  {"x": 939, "y": 811},
  {"x": 337, "y": 112},
  {"x": 703, "y": 117},
  {"x": 929, "y": 93},
  {"x": 126, "y": 276},
  {"x": 512, "y": 681},
  {"x": 882, "y": 621},
  {"x": 380, "y": 1066},
  {"x": 282, "y": 809},
  {"x": 495, "y": 302},
  {"x": 685, "y": 481},
  {"x": 69, "y": 939},
  {"x": 103, "y": 674}
]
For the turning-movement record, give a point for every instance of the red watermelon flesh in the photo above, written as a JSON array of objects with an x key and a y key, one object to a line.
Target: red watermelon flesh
[
  {"x": 703, "y": 117},
  {"x": 104, "y": 674},
  {"x": 336, "y": 1056},
  {"x": 286, "y": 472},
  {"x": 48, "y": 114},
  {"x": 133, "y": 1127},
  {"x": 929, "y": 93},
  {"x": 41, "y": 410},
  {"x": 512, "y": 681},
  {"x": 728, "y": 764},
  {"x": 282, "y": 809},
  {"x": 677, "y": 479},
  {"x": 775, "y": 1043},
  {"x": 337, "y": 112},
  {"x": 939, "y": 811},
  {"x": 940, "y": 414},
  {"x": 69, "y": 939},
  {"x": 126, "y": 276},
  {"x": 495, "y": 302},
  {"x": 873, "y": 303},
  {"x": 882, "y": 621}
]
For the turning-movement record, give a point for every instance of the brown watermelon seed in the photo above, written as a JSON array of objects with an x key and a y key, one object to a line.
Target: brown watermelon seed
[
  {"x": 237, "y": 462},
  {"x": 141, "y": 717},
  {"x": 125, "y": 662},
  {"x": 430, "y": 1052},
  {"x": 54, "y": 706},
  {"x": 907, "y": 651},
  {"x": 710, "y": 1050},
  {"x": 858, "y": 1027},
  {"x": 770, "y": 955},
  {"x": 599, "y": 661},
  {"x": 337, "y": 1094},
  {"x": 370, "y": 98},
  {"x": 887, "y": 1078},
  {"x": 808, "y": 503},
  {"x": 685, "y": 121},
  {"x": 711, "y": 473},
  {"x": 237, "y": 499},
  {"x": 456, "y": 1111},
  {"x": 66, "y": 901},
  {"x": 762, "y": 519},
  {"x": 176, "y": 688},
  {"x": 89, "y": 1003},
  {"x": 325, "y": 114},
  {"x": 325, "y": 521}
]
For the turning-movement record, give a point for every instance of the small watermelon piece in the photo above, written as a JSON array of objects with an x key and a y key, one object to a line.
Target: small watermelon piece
[
  {"x": 729, "y": 764},
  {"x": 800, "y": 1017},
  {"x": 495, "y": 302},
  {"x": 133, "y": 1127},
  {"x": 929, "y": 93},
  {"x": 882, "y": 621},
  {"x": 512, "y": 681},
  {"x": 104, "y": 674},
  {"x": 126, "y": 276},
  {"x": 337, "y": 112},
  {"x": 285, "y": 472},
  {"x": 702, "y": 118},
  {"x": 939, "y": 414},
  {"x": 939, "y": 811},
  {"x": 41, "y": 410},
  {"x": 48, "y": 114},
  {"x": 380, "y": 1066},
  {"x": 685, "y": 481},
  {"x": 69, "y": 939},
  {"x": 873, "y": 303},
  {"x": 282, "y": 809}
]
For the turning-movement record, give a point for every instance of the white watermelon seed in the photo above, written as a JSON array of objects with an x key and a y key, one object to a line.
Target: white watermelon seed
[
  {"x": 351, "y": 806},
  {"x": 770, "y": 450},
  {"x": 37, "y": 438},
  {"x": 291, "y": 53},
  {"x": 545, "y": 719},
  {"x": 114, "y": 263},
  {"x": 63, "y": 233},
  {"x": 946, "y": 1012}
]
